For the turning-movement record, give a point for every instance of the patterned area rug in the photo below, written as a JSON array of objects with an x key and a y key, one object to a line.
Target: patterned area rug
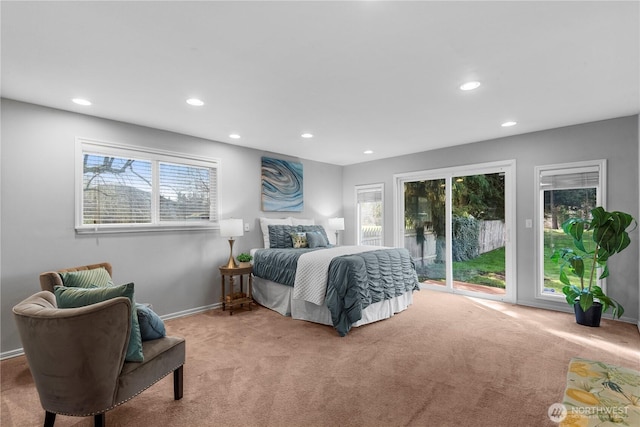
[{"x": 598, "y": 394}]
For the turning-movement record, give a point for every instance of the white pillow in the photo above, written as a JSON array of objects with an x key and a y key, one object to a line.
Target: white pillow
[
  {"x": 302, "y": 221},
  {"x": 266, "y": 222}
]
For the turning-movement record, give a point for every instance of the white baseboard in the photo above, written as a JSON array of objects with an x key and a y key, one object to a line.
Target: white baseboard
[
  {"x": 20, "y": 351},
  {"x": 11, "y": 353},
  {"x": 190, "y": 311},
  {"x": 565, "y": 308}
]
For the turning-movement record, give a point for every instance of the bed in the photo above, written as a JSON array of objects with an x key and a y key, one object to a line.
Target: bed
[{"x": 342, "y": 286}]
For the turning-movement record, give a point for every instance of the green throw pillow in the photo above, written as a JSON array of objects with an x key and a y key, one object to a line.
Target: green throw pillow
[
  {"x": 67, "y": 297},
  {"x": 85, "y": 278}
]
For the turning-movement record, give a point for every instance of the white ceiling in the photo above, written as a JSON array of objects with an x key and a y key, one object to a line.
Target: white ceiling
[{"x": 358, "y": 75}]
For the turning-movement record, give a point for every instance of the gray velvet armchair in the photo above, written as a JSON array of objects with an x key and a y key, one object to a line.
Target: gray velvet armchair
[{"x": 77, "y": 355}]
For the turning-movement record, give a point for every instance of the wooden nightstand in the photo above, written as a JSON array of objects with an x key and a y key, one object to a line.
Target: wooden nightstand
[{"x": 236, "y": 299}]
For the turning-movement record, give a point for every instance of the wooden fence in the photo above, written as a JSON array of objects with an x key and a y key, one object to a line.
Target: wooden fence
[
  {"x": 371, "y": 236},
  {"x": 490, "y": 237}
]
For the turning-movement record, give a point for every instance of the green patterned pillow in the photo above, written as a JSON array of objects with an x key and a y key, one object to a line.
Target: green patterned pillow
[
  {"x": 85, "y": 278},
  {"x": 68, "y": 297},
  {"x": 299, "y": 240}
]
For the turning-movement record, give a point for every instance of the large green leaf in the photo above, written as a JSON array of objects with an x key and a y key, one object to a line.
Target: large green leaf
[
  {"x": 610, "y": 230},
  {"x": 574, "y": 227},
  {"x": 586, "y": 300},
  {"x": 607, "y": 302},
  {"x": 563, "y": 277},
  {"x": 572, "y": 293},
  {"x": 577, "y": 265}
]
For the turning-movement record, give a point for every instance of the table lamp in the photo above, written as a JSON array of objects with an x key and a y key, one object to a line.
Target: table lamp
[
  {"x": 336, "y": 224},
  {"x": 231, "y": 228}
]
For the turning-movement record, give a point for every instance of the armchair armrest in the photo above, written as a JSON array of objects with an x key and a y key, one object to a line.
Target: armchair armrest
[{"x": 75, "y": 354}]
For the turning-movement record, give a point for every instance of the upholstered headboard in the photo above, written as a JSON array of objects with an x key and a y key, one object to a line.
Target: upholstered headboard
[{"x": 50, "y": 279}]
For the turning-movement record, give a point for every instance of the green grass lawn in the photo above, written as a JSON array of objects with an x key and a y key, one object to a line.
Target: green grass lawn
[{"x": 488, "y": 269}]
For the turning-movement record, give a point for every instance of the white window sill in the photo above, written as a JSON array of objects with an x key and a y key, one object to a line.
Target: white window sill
[{"x": 143, "y": 228}]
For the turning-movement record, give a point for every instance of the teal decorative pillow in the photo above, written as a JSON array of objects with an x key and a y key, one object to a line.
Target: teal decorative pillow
[
  {"x": 317, "y": 228},
  {"x": 299, "y": 240},
  {"x": 279, "y": 236},
  {"x": 83, "y": 278},
  {"x": 316, "y": 240},
  {"x": 68, "y": 297},
  {"x": 151, "y": 325}
]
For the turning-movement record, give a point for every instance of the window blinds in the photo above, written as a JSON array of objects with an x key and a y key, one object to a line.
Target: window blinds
[{"x": 565, "y": 179}]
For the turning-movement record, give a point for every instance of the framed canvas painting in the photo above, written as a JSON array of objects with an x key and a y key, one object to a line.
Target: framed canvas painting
[{"x": 281, "y": 185}]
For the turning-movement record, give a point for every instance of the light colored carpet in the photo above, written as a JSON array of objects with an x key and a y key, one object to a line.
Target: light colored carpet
[{"x": 448, "y": 360}]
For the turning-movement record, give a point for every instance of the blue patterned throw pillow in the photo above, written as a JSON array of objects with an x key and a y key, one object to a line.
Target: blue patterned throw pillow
[{"x": 151, "y": 325}]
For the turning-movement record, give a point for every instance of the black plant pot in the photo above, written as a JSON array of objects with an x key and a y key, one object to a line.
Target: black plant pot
[{"x": 591, "y": 317}]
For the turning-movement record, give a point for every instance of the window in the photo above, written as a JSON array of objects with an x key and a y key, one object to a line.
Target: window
[
  {"x": 565, "y": 190},
  {"x": 369, "y": 208},
  {"x": 122, "y": 188}
]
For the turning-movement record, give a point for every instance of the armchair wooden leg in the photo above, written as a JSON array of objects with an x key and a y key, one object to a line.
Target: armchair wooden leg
[
  {"x": 177, "y": 383},
  {"x": 99, "y": 420},
  {"x": 49, "y": 419}
]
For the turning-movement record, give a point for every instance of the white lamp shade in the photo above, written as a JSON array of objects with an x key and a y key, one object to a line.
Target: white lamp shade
[
  {"x": 336, "y": 223},
  {"x": 231, "y": 227}
]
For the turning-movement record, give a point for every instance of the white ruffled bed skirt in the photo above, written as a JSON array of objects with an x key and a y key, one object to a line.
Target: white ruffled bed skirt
[{"x": 279, "y": 298}]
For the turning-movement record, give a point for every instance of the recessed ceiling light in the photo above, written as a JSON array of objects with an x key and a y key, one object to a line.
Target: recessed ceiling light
[
  {"x": 508, "y": 124},
  {"x": 234, "y": 136},
  {"x": 195, "y": 102},
  {"x": 470, "y": 85},
  {"x": 368, "y": 152},
  {"x": 81, "y": 101},
  {"x": 306, "y": 135}
]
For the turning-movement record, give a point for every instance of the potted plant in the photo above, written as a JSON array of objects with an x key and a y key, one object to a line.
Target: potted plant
[
  {"x": 244, "y": 259},
  {"x": 596, "y": 240}
]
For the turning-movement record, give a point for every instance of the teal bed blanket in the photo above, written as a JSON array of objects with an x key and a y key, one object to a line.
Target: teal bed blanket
[
  {"x": 354, "y": 281},
  {"x": 278, "y": 265},
  {"x": 359, "y": 280}
]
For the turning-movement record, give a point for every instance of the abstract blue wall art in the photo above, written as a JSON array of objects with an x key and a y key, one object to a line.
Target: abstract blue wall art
[{"x": 281, "y": 185}]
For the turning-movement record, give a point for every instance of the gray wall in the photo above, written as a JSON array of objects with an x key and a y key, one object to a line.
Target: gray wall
[
  {"x": 615, "y": 140},
  {"x": 175, "y": 271}
]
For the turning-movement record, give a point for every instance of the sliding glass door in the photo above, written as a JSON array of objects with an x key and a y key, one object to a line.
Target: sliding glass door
[
  {"x": 478, "y": 235},
  {"x": 425, "y": 228},
  {"x": 456, "y": 223}
]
